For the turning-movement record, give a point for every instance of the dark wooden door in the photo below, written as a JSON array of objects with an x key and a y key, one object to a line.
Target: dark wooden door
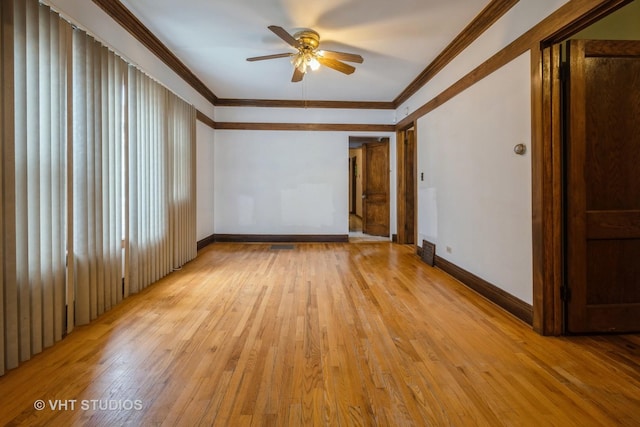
[
  {"x": 603, "y": 186},
  {"x": 375, "y": 184}
]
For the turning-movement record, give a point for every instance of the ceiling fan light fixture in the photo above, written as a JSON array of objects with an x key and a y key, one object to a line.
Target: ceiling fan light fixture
[
  {"x": 305, "y": 61},
  {"x": 313, "y": 63},
  {"x": 308, "y": 56},
  {"x": 299, "y": 62}
]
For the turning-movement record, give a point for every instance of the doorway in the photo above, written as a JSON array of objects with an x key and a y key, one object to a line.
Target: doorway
[
  {"x": 588, "y": 194},
  {"x": 369, "y": 202}
]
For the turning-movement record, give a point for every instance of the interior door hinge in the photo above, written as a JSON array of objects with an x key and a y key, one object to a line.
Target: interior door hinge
[{"x": 565, "y": 293}]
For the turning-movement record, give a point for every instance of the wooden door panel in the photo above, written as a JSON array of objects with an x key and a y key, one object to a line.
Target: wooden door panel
[
  {"x": 376, "y": 218},
  {"x": 604, "y": 224},
  {"x": 613, "y": 261},
  {"x": 603, "y": 191}
]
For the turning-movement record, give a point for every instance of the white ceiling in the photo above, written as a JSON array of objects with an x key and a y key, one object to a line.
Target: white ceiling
[{"x": 397, "y": 40}]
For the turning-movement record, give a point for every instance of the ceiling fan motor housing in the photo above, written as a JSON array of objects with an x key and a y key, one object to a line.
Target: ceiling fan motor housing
[{"x": 308, "y": 39}]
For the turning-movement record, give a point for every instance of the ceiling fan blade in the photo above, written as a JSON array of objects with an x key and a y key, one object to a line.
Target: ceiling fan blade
[
  {"x": 277, "y": 55},
  {"x": 336, "y": 65},
  {"x": 284, "y": 35},
  {"x": 343, "y": 56},
  {"x": 297, "y": 75}
]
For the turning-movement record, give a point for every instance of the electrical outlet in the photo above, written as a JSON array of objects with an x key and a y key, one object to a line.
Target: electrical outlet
[{"x": 448, "y": 249}]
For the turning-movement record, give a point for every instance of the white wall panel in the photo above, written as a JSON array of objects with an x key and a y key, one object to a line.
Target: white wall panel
[
  {"x": 475, "y": 202},
  {"x": 205, "y": 182}
]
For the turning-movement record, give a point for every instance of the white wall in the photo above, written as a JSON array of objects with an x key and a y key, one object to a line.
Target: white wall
[
  {"x": 475, "y": 202},
  {"x": 205, "y": 181},
  {"x": 282, "y": 182}
]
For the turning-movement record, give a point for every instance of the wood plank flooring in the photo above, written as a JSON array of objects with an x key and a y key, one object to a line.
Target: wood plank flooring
[{"x": 322, "y": 334}]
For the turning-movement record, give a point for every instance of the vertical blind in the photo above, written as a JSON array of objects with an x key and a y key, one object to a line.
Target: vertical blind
[
  {"x": 98, "y": 113},
  {"x": 97, "y": 181},
  {"x": 148, "y": 243},
  {"x": 161, "y": 182},
  {"x": 33, "y": 165},
  {"x": 182, "y": 152}
]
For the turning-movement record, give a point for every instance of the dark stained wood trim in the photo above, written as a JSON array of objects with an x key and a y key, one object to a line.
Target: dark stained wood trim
[
  {"x": 485, "y": 19},
  {"x": 546, "y": 196},
  {"x": 206, "y": 241},
  {"x": 348, "y": 127},
  {"x": 560, "y": 19},
  {"x": 400, "y": 184},
  {"x": 133, "y": 25},
  {"x": 205, "y": 119},
  {"x": 280, "y": 238},
  {"x": 283, "y": 103},
  {"x": 366, "y": 139},
  {"x": 510, "y": 303}
]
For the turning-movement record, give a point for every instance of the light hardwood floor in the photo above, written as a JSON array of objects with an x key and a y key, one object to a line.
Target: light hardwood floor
[{"x": 322, "y": 334}]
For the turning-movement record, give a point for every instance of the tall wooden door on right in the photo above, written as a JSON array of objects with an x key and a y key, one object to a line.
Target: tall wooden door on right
[{"x": 603, "y": 186}]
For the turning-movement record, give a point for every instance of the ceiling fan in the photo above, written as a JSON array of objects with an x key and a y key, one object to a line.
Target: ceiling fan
[{"x": 308, "y": 56}]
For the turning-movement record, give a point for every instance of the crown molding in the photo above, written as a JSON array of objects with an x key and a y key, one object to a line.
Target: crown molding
[
  {"x": 284, "y": 103},
  {"x": 339, "y": 127},
  {"x": 137, "y": 29},
  {"x": 344, "y": 127}
]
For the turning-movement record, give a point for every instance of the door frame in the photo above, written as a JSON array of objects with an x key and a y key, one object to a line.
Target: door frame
[
  {"x": 352, "y": 184},
  {"x": 403, "y": 173},
  {"x": 547, "y": 171}
]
